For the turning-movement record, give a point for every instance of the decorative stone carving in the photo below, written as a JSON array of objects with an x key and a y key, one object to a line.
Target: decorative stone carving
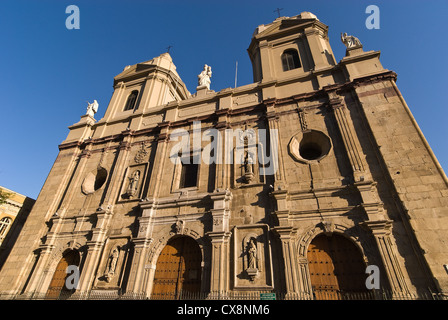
[
  {"x": 204, "y": 77},
  {"x": 248, "y": 167},
  {"x": 253, "y": 262},
  {"x": 92, "y": 108},
  {"x": 133, "y": 184},
  {"x": 178, "y": 227},
  {"x": 252, "y": 259},
  {"x": 302, "y": 118},
  {"x": 350, "y": 41},
  {"x": 327, "y": 227},
  {"x": 141, "y": 154},
  {"x": 112, "y": 264}
]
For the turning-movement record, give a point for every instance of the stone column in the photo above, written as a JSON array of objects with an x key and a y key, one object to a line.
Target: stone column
[
  {"x": 222, "y": 165},
  {"x": 75, "y": 181},
  {"x": 304, "y": 279},
  {"x": 266, "y": 64},
  {"x": 362, "y": 177},
  {"x": 136, "y": 284},
  {"x": 317, "y": 49},
  {"x": 94, "y": 248},
  {"x": 159, "y": 159},
  {"x": 287, "y": 235},
  {"x": 118, "y": 170},
  {"x": 219, "y": 275},
  {"x": 220, "y": 237},
  {"x": 275, "y": 144},
  {"x": 348, "y": 135},
  {"x": 381, "y": 230},
  {"x": 34, "y": 286},
  {"x": 88, "y": 272}
]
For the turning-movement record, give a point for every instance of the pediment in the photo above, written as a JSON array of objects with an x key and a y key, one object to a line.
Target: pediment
[{"x": 283, "y": 24}]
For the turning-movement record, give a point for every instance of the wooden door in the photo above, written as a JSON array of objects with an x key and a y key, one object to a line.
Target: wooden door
[
  {"x": 178, "y": 270},
  {"x": 336, "y": 267},
  {"x": 57, "y": 288}
]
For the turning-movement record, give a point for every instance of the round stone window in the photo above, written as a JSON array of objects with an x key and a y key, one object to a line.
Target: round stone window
[
  {"x": 94, "y": 180},
  {"x": 310, "y": 146}
]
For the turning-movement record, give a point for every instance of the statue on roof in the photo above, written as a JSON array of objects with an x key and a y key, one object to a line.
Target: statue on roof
[
  {"x": 204, "y": 77},
  {"x": 350, "y": 41},
  {"x": 92, "y": 108}
]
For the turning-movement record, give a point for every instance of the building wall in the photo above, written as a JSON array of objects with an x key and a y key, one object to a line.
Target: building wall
[
  {"x": 375, "y": 180},
  {"x": 15, "y": 210}
]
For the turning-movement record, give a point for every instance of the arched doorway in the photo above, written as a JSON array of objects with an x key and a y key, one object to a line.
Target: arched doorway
[
  {"x": 336, "y": 267},
  {"x": 57, "y": 288},
  {"x": 178, "y": 270}
]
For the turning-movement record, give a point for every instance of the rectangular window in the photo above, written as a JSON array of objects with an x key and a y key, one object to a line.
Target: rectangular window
[
  {"x": 290, "y": 60},
  {"x": 189, "y": 174}
]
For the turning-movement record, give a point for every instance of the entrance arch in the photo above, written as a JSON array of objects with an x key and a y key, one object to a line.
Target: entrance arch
[
  {"x": 178, "y": 269},
  {"x": 336, "y": 267},
  {"x": 57, "y": 288}
]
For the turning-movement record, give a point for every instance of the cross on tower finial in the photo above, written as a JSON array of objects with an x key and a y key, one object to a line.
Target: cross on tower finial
[
  {"x": 278, "y": 11},
  {"x": 168, "y": 49}
]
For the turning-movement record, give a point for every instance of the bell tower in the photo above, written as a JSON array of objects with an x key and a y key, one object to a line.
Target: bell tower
[
  {"x": 291, "y": 47},
  {"x": 138, "y": 90}
]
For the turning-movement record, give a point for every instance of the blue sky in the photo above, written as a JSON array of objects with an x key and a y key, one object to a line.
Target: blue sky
[{"x": 48, "y": 73}]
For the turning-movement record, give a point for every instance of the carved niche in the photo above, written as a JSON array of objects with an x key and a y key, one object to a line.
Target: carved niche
[
  {"x": 110, "y": 272},
  {"x": 133, "y": 181},
  {"x": 253, "y": 259}
]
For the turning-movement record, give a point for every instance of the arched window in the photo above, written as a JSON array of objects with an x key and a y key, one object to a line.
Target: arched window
[
  {"x": 290, "y": 60},
  {"x": 130, "y": 103},
  {"x": 4, "y": 227}
]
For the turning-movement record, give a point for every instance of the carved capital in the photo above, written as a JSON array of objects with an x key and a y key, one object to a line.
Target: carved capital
[{"x": 379, "y": 228}]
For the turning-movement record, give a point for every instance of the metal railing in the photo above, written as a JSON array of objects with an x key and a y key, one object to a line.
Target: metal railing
[{"x": 229, "y": 295}]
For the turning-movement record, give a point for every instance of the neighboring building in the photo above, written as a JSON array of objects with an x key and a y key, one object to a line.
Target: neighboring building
[
  {"x": 13, "y": 212},
  {"x": 320, "y": 172}
]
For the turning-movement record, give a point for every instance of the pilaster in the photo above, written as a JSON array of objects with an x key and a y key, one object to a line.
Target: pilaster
[
  {"x": 135, "y": 283},
  {"x": 381, "y": 230},
  {"x": 287, "y": 237},
  {"x": 219, "y": 273}
]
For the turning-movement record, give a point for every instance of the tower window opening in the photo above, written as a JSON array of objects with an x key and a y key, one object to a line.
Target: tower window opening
[
  {"x": 132, "y": 99},
  {"x": 290, "y": 60}
]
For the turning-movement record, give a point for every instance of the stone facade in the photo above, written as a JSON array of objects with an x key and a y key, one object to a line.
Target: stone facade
[
  {"x": 346, "y": 158},
  {"x": 13, "y": 214}
]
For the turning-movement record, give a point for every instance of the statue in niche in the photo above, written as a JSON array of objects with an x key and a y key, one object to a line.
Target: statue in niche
[
  {"x": 248, "y": 167},
  {"x": 252, "y": 259},
  {"x": 204, "y": 77},
  {"x": 113, "y": 259},
  {"x": 350, "y": 41},
  {"x": 251, "y": 254},
  {"x": 133, "y": 184},
  {"x": 92, "y": 108}
]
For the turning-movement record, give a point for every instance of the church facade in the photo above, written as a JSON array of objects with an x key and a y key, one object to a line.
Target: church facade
[{"x": 304, "y": 183}]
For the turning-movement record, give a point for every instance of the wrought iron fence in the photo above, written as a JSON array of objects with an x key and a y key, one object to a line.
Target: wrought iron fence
[{"x": 229, "y": 295}]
